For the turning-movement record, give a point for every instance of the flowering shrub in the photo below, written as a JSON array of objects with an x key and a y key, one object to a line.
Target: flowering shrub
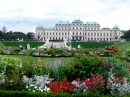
[
  {"x": 62, "y": 86},
  {"x": 37, "y": 83},
  {"x": 78, "y": 85},
  {"x": 117, "y": 85},
  {"x": 95, "y": 82},
  {"x": 83, "y": 66}
]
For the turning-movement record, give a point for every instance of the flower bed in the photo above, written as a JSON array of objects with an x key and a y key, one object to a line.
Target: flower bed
[{"x": 84, "y": 74}]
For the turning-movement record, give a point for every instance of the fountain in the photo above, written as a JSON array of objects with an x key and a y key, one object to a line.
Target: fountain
[{"x": 49, "y": 44}]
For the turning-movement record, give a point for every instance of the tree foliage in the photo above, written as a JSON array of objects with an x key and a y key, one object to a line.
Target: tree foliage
[
  {"x": 12, "y": 36},
  {"x": 126, "y": 34}
]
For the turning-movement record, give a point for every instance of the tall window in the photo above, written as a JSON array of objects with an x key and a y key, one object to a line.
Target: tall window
[
  {"x": 97, "y": 34},
  {"x": 104, "y": 34},
  {"x": 110, "y": 34},
  {"x": 100, "y": 34}
]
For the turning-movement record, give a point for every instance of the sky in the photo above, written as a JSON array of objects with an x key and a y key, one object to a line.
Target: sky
[{"x": 26, "y": 15}]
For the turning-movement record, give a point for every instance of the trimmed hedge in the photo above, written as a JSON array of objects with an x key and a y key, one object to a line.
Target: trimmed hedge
[{"x": 5, "y": 93}]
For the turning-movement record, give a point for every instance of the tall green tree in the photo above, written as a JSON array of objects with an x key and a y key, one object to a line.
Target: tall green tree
[
  {"x": 126, "y": 34},
  {"x": 29, "y": 36}
]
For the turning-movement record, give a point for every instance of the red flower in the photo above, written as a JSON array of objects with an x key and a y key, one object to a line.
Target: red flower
[
  {"x": 95, "y": 82},
  {"x": 62, "y": 86}
]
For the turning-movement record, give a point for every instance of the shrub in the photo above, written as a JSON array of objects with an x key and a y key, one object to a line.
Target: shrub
[
  {"x": 14, "y": 50},
  {"x": 83, "y": 66}
]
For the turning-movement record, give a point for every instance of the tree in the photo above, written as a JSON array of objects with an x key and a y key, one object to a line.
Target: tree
[
  {"x": 29, "y": 35},
  {"x": 126, "y": 34}
]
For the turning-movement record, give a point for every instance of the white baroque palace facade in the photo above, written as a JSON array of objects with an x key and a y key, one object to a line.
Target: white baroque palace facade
[{"x": 78, "y": 31}]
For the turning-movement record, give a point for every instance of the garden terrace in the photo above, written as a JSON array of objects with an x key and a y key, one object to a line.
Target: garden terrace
[{"x": 85, "y": 73}]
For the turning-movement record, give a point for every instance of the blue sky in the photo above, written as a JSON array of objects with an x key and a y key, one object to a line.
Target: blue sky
[{"x": 25, "y": 15}]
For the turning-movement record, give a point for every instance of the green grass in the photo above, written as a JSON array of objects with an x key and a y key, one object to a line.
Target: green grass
[
  {"x": 24, "y": 43},
  {"x": 91, "y": 44},
  {"x": 123, "y": 45},
  {"x": 23, "y": 57},
  {"x": 33, "y": 44},
  {"x": 74, "y": 44},
  {"x": 1, "y": 44}
]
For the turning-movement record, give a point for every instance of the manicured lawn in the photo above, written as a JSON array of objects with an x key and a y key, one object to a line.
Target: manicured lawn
[
  {"x": 33, "y": 44},
  {"x": 23, "y": 43},
  {"x": 22, "y": 57}
]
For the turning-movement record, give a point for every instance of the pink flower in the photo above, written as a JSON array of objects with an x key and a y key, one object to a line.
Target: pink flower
[{"x": 111, "y": 82}]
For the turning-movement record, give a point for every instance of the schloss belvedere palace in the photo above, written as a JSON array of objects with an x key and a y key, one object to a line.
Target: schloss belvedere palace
[{"x": 78, "y": 31}]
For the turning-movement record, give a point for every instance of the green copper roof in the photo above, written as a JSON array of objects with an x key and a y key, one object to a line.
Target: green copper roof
[
  {"x": 91, "y": 23},
  {"x": 115, "y": 27},
  {"x": 48, "y": 28},
  {"x": 61, "y": 22},
  {"x": 40, "y": 27},
  {"x": 77, "y": 22}
]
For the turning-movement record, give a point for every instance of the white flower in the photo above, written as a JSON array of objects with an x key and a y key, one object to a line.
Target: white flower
[
  {"x": 27, "y": 86},
  {"x": 37, "y": 83}
]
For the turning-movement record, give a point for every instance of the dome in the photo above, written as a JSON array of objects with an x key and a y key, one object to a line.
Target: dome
[
  {"x": 77, "y": 22},
  {"x": 40, "y": 27},
  {"x": 115, "y": 27}
]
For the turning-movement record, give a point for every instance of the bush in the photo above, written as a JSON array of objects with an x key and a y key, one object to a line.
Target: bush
[
  {"x": 14, "y": 50},
  {"x": 83, "y": 66},
  {"x": 6, "y": 93}
]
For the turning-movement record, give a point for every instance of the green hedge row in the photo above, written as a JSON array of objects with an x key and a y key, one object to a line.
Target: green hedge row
[{"x": 5, "y": 93}]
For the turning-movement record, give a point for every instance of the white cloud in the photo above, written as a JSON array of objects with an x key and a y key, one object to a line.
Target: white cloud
[{"x": 48, "y": 12}]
